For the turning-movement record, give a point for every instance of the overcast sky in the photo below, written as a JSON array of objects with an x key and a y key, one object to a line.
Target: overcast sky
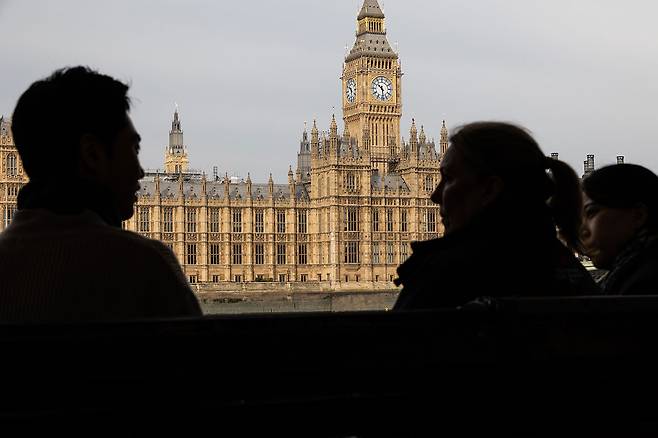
[{"x": 581, "y": 74}]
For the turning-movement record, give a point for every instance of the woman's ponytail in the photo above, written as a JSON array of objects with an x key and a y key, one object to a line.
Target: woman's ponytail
[{"x": 566, "y": 202}]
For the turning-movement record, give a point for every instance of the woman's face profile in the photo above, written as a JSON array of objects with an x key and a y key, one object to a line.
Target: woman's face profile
[
  {"x": 606, "y": 231},
  {"x": 461, "y": 193}
]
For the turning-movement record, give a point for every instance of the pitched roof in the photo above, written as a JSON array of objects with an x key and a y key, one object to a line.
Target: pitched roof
[
  {"x": 370, "y": 8},
  {"x": 371, "y": 44}
]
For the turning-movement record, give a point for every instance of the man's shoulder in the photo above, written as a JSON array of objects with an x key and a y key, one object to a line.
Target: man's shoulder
[{"x": 133, "y": 240}]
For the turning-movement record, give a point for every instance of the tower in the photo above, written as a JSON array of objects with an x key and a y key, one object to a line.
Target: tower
[
  {"x": 444, "y": 139},
  {"x": 176, "y": 160},
  {"x": 304, "y": 157},
  {"x": 372, "y": 97}
]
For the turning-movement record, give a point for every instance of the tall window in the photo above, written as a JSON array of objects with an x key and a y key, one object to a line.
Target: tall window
[
  {"x": 259, "y": 251},
  {"x": 237, "y": 220},
  {"x": 259, "y": 226},
  {"x": 9, "y": 214},
  {"x": 11, "y": 165},
  {"x": 431, "y": 221},
  {"x": 390, "y": 253},
  {"x": 281, "y": 253},
  {"x": 350, "y": 182},
  {"x": 429, "y": 183},
  {"x": 190, "y": 253},
  {"x": 168, "y": 219},
  {"x": 389, "y": 219},
  {"x": 237, "y": 253},
  {"x": 302, "y": 221},
  {"x": 190, "y": 220},
  {"x": 375, "y": 253},
  {"x": 403, "y": 221},
  {"x": 302, "y": 254},
  {"x": 375, "y": 219},
  {"x": 351, "y": 219},
  {"x": 144, "y": 215},
  {"x": 404, "y": 251},
  {"x": 351, "y": 252},
  {"x": 280, "y": 221},
  {"x": 214, "y": 253},
  {"x": 214, "y": 220}
]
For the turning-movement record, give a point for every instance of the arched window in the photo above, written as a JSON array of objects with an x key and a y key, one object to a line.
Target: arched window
[{"x": 12, "y": 169}]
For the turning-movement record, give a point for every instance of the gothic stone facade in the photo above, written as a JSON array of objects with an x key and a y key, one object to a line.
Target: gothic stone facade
[
  {"x": 12, "y": 175},
  {"x": 345, "y": 218}
]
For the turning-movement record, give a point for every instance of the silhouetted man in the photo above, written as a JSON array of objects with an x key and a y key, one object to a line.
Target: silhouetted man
[{"x": 65, "y": 256}]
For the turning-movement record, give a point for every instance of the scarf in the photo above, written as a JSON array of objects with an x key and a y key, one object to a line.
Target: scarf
[{"x": 627, "y": 258}]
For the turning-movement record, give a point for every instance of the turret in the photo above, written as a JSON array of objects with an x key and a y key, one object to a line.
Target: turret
[
  {"x": 315, "y": 142},
  {"x": 413, "y": 140},
  {"x": 333, "y": 137},
  {"x": 443, "y": 142}
]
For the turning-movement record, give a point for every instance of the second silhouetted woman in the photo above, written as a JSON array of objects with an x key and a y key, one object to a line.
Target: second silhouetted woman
[{"x": 501, "y": 200}]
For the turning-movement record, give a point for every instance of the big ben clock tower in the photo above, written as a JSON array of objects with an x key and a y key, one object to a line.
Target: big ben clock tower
[{"x": 372, "y": 82}]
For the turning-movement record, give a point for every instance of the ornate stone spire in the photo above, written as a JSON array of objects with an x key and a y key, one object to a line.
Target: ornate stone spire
[
  {"x": 421, "y": 138},
  {"x": 443, "y": 142},
  {"x": 315, "y": 141},
  {"x": 333, "y": 137},
  {"x": 413, "y": 140}
]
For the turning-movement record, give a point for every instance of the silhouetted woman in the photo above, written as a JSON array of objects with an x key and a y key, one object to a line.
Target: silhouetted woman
[
  {"x": 501, "y": 200},
  {"x": 620, "y": 227}
]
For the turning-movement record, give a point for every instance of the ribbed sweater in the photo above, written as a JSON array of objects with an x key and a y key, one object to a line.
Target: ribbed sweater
[{"x": 77, "y": 268}]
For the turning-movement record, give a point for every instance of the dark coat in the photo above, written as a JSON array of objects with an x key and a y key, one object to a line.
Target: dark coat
[
  {"x": 492, "y": 257},
  {"x": 638, "y": 275}
]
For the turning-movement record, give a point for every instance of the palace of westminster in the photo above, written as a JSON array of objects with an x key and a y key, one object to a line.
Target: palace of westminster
[
  {"x": 344, "y": 218},
  {"x": 347, "y": 215}
]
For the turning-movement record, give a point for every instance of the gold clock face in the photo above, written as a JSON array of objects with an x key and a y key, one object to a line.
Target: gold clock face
[
  {"x": 382, "y": 88},
  {"x": 350, "y": 90}
]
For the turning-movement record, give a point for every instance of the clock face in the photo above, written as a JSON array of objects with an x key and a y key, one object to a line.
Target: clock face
[
  {"x": 382, "y": 88},
  {"x": 350, "y": 91}
]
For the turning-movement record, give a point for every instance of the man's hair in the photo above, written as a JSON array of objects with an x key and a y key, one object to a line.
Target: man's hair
[{"x": 53, "y": 114}]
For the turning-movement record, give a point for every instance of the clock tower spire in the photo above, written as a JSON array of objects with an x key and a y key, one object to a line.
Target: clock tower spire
[{"x": 372, "y": 89}]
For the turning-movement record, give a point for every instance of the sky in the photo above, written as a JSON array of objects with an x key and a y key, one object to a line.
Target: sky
[{"x": 582, "y": 75}]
